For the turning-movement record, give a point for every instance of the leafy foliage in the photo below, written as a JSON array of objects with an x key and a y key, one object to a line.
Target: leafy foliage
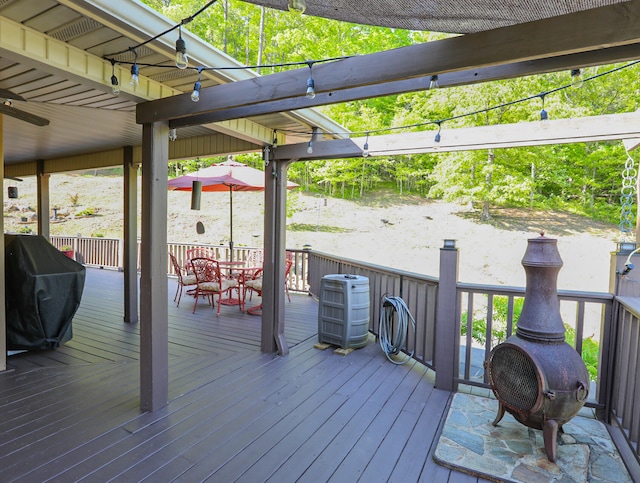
[{"x": 584, "y": 178}]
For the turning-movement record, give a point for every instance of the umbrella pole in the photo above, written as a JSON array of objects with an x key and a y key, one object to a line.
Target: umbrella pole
[{"x": 231, "y": 222}]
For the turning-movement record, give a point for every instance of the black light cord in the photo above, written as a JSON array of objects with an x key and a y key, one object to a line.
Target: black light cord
[
  {"x": 184, "y": 21},
  {"x": 439, "y": 122}
]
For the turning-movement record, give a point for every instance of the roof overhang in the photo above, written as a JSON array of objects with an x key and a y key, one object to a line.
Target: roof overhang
[{"x": 52, "y": 55}]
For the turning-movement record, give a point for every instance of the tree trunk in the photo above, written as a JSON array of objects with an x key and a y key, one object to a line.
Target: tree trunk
[
  {"x": 226, "y": 26},
  {"x": 485, "y": 216},
  {"x": 261, "y": 37},
  {"x": 533, "y": 184},
  {"x": 488, "y": 182}
]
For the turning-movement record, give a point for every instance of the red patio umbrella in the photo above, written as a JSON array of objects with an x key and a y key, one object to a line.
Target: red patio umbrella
[{"x": 227, "y": 176}]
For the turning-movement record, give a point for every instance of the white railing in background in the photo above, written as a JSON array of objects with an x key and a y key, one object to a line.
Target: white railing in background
[{"x": 108, "y": 253}]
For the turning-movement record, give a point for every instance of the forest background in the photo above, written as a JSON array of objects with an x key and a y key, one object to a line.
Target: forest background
[{"x": 583, "y": 178}]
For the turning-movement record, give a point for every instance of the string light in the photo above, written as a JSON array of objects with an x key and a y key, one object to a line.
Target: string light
[
  {"x": 310, "y": 147},
  {"x": 544, "y": 115},
  {"x": 134, "y": 70},
  {"x": 195, "y": 95},
  {"x": 576, "y": 77},
  {"x": 182, "y": 61},
  {"x": 297, "y": 6},
  {"x": 115, "y": 88},
  {"x": 433, "y": 82},
  {"x": 311, "y": 92},
  {"x": 437, "y": 138},
  {"x": 365, "y": 150}
]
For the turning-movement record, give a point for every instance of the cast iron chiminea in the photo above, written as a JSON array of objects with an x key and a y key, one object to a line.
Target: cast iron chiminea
[{"x": 536, "y": 376}]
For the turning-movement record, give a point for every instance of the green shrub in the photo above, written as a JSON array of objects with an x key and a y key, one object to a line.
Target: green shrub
[{"x": 87, "y": 212}]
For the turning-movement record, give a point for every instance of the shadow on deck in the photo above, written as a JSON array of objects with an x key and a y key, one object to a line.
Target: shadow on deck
[{"x": 234, "y": 412}]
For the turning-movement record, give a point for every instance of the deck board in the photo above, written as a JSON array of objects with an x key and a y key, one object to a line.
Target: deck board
[{"x": 235, "y": 414}]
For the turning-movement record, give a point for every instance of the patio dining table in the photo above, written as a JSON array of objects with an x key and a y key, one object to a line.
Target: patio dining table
[{"x": 236, "y": 269}]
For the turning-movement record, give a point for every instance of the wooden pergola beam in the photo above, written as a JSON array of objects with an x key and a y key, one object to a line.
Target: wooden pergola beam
[
  {"x": 514, "y": 70},
  {"x": 624, "y": 127},
  {"x": 588, "y": 30}
]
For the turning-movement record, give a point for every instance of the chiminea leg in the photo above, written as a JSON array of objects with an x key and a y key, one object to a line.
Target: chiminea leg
[
  {"x": 500, "y": 414},
  {"x": 550, "y": 433}
]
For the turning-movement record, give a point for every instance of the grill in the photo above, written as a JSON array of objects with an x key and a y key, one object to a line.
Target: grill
[{"x": 535, "y": 375}]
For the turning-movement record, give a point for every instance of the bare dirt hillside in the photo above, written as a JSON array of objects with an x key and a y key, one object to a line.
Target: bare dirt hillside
[{"x": 405, "y": 233}]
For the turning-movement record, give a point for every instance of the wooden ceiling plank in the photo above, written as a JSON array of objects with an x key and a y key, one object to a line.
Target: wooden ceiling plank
[
  {"x": 32, "y": 48},
  {"x": 579, "y": 32},
  {"x": 52, "y": 18}
]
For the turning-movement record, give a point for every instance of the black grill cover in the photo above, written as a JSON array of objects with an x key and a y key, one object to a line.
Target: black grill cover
[{"x": 43, "y": 292}]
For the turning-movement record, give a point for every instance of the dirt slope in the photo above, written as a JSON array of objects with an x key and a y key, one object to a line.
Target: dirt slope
[{"x": 405, "y": 234}]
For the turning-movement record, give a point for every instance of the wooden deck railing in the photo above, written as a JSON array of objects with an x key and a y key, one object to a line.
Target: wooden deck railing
[
  {"x": 623, "y": 377},
  {"x": 483, "y": 315},
  {"x": 487, "y": 315},
  {"x": 108, "y": 253}
]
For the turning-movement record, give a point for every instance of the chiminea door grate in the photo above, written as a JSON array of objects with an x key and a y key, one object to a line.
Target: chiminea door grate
[{"x": 515, "y": 379}]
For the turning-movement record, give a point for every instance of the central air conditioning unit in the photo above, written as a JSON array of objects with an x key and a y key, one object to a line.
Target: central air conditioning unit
[{"x": 343, "y": 311}]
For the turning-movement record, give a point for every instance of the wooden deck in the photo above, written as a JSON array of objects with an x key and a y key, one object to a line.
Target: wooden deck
[{"x": 235, "y": 414}]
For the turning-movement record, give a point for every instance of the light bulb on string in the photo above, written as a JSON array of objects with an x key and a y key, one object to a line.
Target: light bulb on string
[
  {"x": 576, "y": 78},
  {"x": 436, "y": 139},
  {"x": 311, "y": 92},
  {"x": 135, "y": 72},
  {"x": 310, "y": 147},
  {"x": 433, "y": 82},
  {"x": 182, "y": 60},
  {"x": 115, "y": 87},
  {"x": 195, "y": 95},
  {"x": 365, "y": 148},
  {"x": 297, "y": 6},
  {"x": 544, "y": 115}
]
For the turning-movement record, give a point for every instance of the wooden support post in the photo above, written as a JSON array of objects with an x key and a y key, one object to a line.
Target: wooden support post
[
  {"x": 42, "y": 188},
  {"x": 447, "y": 346},
  {"x": 130, "y": 245},
  {"x": 3, "y": 313},
  {"x": 274, "y": 257},
  {"x": 154, "y": 314}
]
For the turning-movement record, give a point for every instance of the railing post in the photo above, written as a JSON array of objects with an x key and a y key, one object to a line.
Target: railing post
[
  {"x": 76, "y": 245},
  {"x": 447, "y": 332},
  {"x": 622, "y": 262}
]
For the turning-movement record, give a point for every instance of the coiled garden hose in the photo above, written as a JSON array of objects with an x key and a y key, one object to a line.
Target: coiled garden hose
[{"x": 392, "y": 346}]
